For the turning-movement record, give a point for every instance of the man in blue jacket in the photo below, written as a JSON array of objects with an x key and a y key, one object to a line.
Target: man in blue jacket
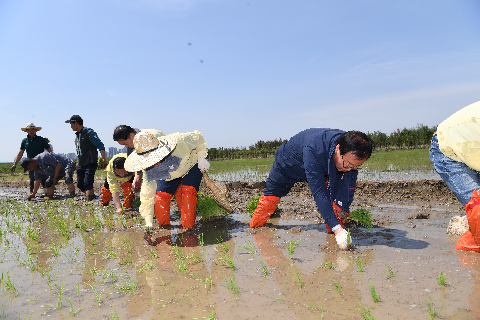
[
  {"x": 86, "y": 142},
  {"x": 328, "y": 160}
]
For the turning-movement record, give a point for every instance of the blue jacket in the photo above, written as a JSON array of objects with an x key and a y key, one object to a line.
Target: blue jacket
[{"x": 308, "y": 156}]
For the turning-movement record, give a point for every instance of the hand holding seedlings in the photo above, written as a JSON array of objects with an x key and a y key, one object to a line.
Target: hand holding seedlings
[{"x": 342, "y": 239}]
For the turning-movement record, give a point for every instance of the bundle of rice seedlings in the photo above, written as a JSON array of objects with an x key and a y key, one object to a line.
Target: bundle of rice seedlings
[
  {"x": 207, "y": 207},
  {"x": 252, "y": 205},
  {"x": 362, "y": 217}
]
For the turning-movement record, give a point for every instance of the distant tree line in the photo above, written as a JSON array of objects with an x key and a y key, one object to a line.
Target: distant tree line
[{"x": 413, "y": 138}]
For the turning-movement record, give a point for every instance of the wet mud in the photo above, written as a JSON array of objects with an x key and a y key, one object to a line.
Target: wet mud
[{"x": 223, "y": 269}]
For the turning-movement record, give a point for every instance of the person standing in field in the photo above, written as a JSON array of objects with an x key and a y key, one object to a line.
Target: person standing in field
[
  {"x": 328, "y": 159},
  {"x": 86, "y": 142},
  {"x": 116, "y": 174},
  {"x": 34, "y": 144},
  {"x": 455, "y": 156}
]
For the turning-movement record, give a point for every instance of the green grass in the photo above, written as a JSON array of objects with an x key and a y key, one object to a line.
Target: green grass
[
  {"x": 262, "y": 165},
  {"x": 207, "y": 207},
  {"x": 399, "y": 160}
]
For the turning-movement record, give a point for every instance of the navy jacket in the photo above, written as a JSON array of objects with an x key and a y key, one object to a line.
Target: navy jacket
[{"x": 308, "y": 156}]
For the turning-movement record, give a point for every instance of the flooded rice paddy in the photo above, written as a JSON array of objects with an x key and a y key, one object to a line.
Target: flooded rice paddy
[
  {"x": 249, "y": 175},
  {"x": 64, "y": 259}
]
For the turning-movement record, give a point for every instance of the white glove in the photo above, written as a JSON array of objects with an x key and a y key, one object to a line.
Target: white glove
[
  {"x": 203, "y": 164},
  {"x": 341, "y": 238}
]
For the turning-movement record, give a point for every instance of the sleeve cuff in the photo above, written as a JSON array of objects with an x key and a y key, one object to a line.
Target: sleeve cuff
[{"x": 336, "y": 227}]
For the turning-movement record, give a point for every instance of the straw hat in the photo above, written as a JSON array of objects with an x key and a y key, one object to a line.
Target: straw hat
[
  {"x": 31, "y": 126},
  {"x": 149, "y": 150}
]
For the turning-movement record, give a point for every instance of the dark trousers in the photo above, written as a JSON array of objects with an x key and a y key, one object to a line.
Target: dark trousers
[
  {"x": 192, "y": 178},
  {"x": 31, "y": 175}
]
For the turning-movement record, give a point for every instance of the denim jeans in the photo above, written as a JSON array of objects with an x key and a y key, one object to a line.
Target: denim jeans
[{"x": 457, "y": 176}]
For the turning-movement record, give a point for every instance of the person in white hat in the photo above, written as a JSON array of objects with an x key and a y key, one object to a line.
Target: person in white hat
[
  {"x": 34, "y": 145},
  {"x": 176, "y": 162}
]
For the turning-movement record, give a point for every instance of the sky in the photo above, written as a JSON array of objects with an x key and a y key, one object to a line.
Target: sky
[{"x": 237, "y": 71}]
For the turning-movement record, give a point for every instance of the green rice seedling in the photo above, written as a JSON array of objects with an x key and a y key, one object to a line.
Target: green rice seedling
[
  {"x": 349, "y": 239},
  {"x": 367, "y": 315},
  {"x": 362, "y": 217},
  {"x": 63, "y": 229},
  {"x": 298, "y": 280},
  {"x": 337, "y": 287},
  {"x": 228, "y": 261},
  {"x": 60, "y": 294},
  {"x": 196, "y": 256},
  {"x": 153, "y": 253},
  {"x": 263, "y": 267},
  {"x": 29, "y": 263},
  {"x": 110, "y": 254},
  {"x": 10, "y": 283},
  {"x": 129, "y": 283},
  {"x": 442, "y": 279},
  {"x": 96, "y": 294},
  {"x": 110, "y": 277},
  {"x": 207, "y": 207},
  {"x": 250, "y": 247},
  {"x": 98, "y": 224},
  {"x": 109, "y": 224},
  {"x": 148, "y": 266},
  {"x": 125, "y": 261},
  {"x": 359, "y": 265},
  {"x": 291, "y": 247},
  {"x": 373, "y": 292},
  {"x": 252, "y": 205},
  {"x": 72, "y": 310},
  {"x": 232, "y": 284},
  {"x": 281, "y": 299},
  {"x": 327, "y": 265},
  {"x": 124, "y": 223},
  {"x": 77, "y": 290},
  {"x": 31, "y": 233},
  {"x": 432, "y": 311},
  {"x": 201, "y": 242},
  {"x": 182, "y": 265},
  {"x": 222, "y": 244},
  {"x": 390, "y": 273},
  {"x": 55, "y": 250},
  {"x": 208, "y": 281},
  {"x": 313, "y": 305}
]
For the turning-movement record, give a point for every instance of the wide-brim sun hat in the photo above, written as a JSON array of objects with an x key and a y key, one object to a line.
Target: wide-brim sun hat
[
  {"x": 149, "y": 150},
  {"x": 30, "y": 126}
]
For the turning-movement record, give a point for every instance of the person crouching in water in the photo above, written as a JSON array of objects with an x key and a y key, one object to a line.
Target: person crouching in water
[
  {"x": 177, "y": 161},
  {"x": 328, "y": 160},
  {"x": 116, "y": 173}
]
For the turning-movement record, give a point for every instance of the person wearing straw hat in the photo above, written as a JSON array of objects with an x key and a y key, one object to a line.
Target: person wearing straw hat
[
  {"x": 34, "y": 145},
  {"x": 177, "y": 161},
  {"x": 124, "y": 135}
]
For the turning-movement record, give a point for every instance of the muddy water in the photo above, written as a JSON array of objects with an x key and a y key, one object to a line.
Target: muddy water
[{"x": 226, "y": 270}]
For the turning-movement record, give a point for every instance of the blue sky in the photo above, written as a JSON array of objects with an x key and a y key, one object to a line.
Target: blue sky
[{"x": 238, "y": 71}]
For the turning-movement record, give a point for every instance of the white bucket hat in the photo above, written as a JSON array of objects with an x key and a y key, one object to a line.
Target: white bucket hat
[
  {"x": 31, "y": 126},
  {"x": 149, "y": 150}
]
